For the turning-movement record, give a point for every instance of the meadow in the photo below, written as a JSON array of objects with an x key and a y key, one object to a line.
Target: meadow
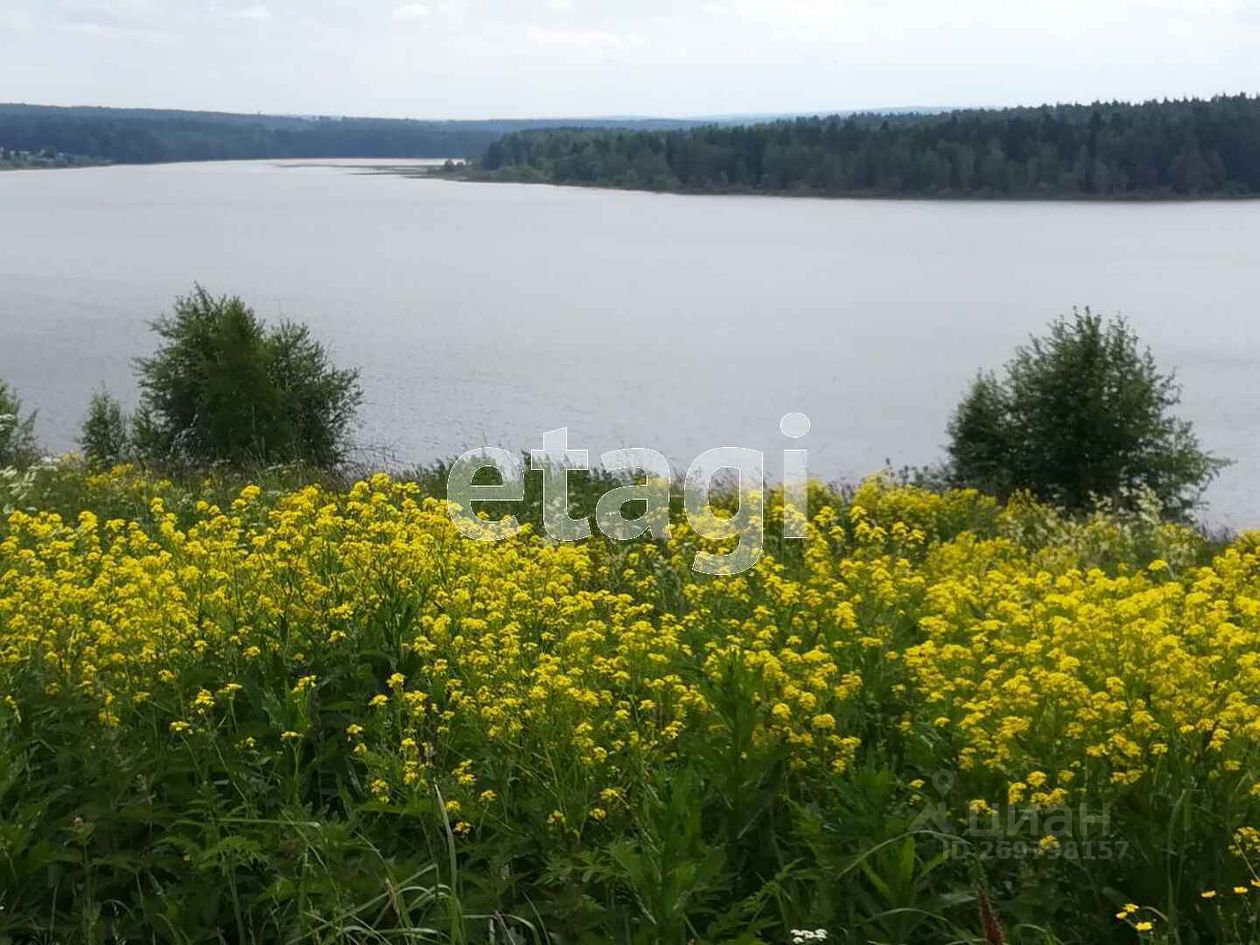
[{"x": 315, "y": 713}]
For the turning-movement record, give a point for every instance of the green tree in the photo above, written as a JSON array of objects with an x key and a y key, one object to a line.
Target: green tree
[
  {"x": 18, "y": 446},
  {"x": 1081, "y": 414},
  {"x": 980, "y": 432},
  {"x": 225, "y": 387},
  {"x": 104, "y": 437}
]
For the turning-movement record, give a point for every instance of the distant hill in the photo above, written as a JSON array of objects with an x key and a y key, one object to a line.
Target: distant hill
[
  {"x": 142, "y": 136},
  {"x": 750, "y": 118},
  {"x": 1187, "y": 148}
]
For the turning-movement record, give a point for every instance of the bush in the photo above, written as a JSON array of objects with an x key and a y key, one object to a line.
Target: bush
[
  {"x": 104, "y": 438},
  {"x": 1082, "y": 415},
  {"x": 226, "y": 388},
  {"x": 18, "y": 447}
]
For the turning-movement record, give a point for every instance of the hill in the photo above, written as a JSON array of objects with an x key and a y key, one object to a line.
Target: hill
[{"x": 142, "y": 136}]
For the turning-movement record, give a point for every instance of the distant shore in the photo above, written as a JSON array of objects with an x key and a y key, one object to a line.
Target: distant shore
[{"x": 467, "y": 174}]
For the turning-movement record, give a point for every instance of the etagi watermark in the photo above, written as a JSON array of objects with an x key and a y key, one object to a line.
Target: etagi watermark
[{"x": 556, "y": 460}]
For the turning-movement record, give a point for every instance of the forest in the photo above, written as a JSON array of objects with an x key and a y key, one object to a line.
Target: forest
[
  {"x": 146, "y": 136},
  {"x": 1184, "y": 148}
]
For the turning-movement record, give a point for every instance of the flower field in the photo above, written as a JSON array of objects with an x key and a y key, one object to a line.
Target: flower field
[{"x": 321, "y": 715}]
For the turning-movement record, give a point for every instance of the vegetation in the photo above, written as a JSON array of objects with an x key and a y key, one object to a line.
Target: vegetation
[
  {"x": 1190, "y": 148},
  {"x": 18, "y": 447},
  {"x": 105, "y": 438},
  {"x": 282, "y": 707},
  {"x": 320, "y": 715},
  {"x": 1082, "y": 414},
  {"x": 224, "y": 387},
  {"x": 143, "y": 136}
]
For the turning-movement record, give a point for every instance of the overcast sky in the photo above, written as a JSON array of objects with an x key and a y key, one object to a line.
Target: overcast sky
[{"x": 519, "y": 58}]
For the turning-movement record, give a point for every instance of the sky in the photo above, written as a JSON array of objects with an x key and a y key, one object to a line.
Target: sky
[{"x": 555, "y": 58}]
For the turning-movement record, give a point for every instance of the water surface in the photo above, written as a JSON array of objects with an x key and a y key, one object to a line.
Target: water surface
[{"x": 485, "y": 314}]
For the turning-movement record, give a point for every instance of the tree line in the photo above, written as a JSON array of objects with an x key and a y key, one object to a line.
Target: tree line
[
  {"x": 1183, "y": 148},
  {"x": 144, "y": 136}
]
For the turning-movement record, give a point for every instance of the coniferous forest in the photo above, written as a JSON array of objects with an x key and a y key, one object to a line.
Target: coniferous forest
[{"x": 1187, "y": 148}]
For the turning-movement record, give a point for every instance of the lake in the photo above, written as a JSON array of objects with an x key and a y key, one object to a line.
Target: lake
[{"x": 486, "y": 314}]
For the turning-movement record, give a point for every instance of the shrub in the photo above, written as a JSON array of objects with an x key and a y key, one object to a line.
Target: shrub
[
  {"x": 1082, "y": 415},
  {"x": 18, "y": 447},
  {"x": 225, "y": 387},
  {"x": 104, "y": 438}
]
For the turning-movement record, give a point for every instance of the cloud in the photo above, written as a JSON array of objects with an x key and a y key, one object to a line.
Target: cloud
[
  {"x": 256, "y": 13},
  {"x": 410, "y": 12},
  {"x": 111, "y": 19},
  {"x": 94, "y": 13},
  {"x": 102, "y": 31},
  {"x": 17, "y": 21},
  {"x": 590, "y": 39}
]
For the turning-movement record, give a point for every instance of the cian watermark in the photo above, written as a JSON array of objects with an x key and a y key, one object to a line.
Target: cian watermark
[
  {"x": 738, "y": 472},
  {"x": 1018, "y": 831}
]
